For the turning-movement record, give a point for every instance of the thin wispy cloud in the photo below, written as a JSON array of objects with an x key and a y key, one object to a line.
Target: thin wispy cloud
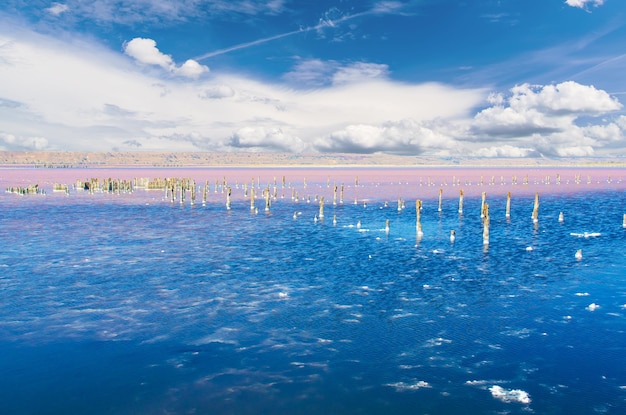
[{"x": 325, "y": 22}]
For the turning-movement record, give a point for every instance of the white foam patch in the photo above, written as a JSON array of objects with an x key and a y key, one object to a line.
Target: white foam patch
[
  {"x": 586, "y": 234},
  {"x": 439, "y": 341},
  {"x": 402, "y": 386},
  {"x": 593, "y": 307},
  {"x": 511, "y": 395},
  {"x": 582, "y": 294}
]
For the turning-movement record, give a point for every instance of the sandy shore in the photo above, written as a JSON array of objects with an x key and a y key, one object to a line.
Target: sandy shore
[{"x": 56, "y": 159}]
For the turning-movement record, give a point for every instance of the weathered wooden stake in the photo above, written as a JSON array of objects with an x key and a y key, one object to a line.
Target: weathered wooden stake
[
  {"x": 321, "y": 207},
  {"x": 508, "y": 205},
  {"x": 486, "y": 225},
  {"x": 266, "y": 192},
  {"x": 440, "y": 199},
  {"x": 482, "y": 204},
  {"x": 535, "y": 215},
  {"x": 341, "y": 196},
  {"x": 418, "y": 214},
  {"x": 461, "y": 201}
]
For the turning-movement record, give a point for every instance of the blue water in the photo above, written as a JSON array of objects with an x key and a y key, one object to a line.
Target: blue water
[{"x": 132, "y": 304}]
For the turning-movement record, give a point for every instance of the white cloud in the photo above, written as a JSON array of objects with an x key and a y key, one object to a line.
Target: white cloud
[
  {"x": 261, "y": 138},
  {"x": 78, "y": 95},
  {"x": 57, "y": 9},
  {"x": 9, "y": 142},
  {"x": 145, "y": 52},
  {"x": 565, "y": 98},
  {"x": 544, "y": 119},
  {"x": 191, "y": 69},
  {"x": 504, "y": 151},
  {"x": 581, "y": 4},
  {"x": 359, "y": 72},
  {"x": 401, "y": 137}
]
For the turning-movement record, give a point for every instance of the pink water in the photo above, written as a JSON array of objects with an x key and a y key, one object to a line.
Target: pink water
[{"x": 373, "y": 183}]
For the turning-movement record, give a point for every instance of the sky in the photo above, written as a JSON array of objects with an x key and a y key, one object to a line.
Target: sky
[{"x": 443, "y": 78}]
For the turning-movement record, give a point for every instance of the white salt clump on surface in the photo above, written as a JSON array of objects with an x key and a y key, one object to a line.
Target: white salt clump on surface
[
  {"x": 593, "y": 306},
  {"x": 402, "y": 386},
  {"x": 508, "y": 396},
  {"x": 582, "y": 294}
]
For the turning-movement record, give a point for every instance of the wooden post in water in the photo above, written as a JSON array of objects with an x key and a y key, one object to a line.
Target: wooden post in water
[
  {"x": 321, "y": 207},
  {"x": 228, "y": 190},
  {"x": 387, "y": 226},
  {"x": 486, "y": 224},
  {"x": 252, "y": 196},
  {"x": 482, "y": 204},
  {"x": 560, "y": 216},
  {"x": 508, "y": 205},
  {"x": 334, "y": 220},
  {"x": 461, "y": 201},
  {"x": 418, "y": 214},
  {"x": 335, "y": 195},
  {"x": 266, "y": 192},
  {"x": 535, "y": 215},
  {"x": 440, "y": 199},
  {"x": 624, "y": 224},
  {"x": 341, "y": 196}
]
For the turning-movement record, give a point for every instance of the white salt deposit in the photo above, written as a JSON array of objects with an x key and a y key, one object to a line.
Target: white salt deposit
[
  {"x": 593, "y": 307},
  {"x": 511, "y": 395}
]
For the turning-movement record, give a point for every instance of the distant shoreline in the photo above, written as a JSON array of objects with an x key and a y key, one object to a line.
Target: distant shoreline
[{"x": 67, "y": 159}]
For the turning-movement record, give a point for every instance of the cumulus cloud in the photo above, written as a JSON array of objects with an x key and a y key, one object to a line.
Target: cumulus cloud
[
  {"x": 505, "y": 151},
  {"x": 401, "y": 137},
  {"x": 145, "y": 52},
  {"x": 10, "y": 142},
  {"x": 565, "y": 98},
  {"x": 545, "y": 119},
  {"x": 581, "y": 4},
  {"x": 261, "y": 138}
]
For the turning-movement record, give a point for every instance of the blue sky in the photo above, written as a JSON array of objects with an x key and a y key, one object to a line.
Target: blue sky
[{"x": 449, "y": 78}]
